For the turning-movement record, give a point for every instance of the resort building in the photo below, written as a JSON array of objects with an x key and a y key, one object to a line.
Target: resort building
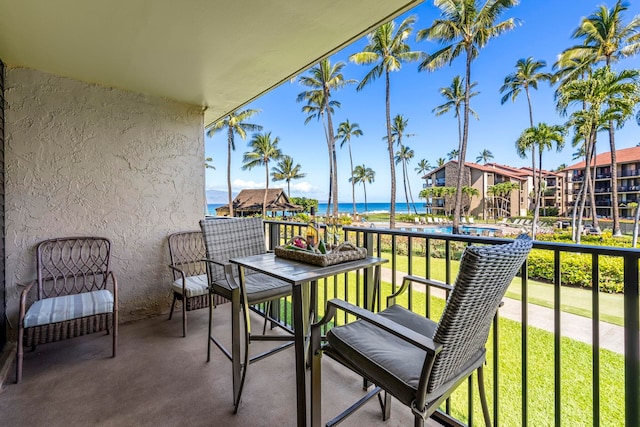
[
  {"x": 627, "y": 181},
  {"x": 494, "y": 202}
]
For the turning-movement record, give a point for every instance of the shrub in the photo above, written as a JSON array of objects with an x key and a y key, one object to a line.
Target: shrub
[{"x": 575, "y": 270}]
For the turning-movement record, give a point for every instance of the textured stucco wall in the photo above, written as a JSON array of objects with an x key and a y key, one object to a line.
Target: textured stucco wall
[{"x": 83, "y": 159}]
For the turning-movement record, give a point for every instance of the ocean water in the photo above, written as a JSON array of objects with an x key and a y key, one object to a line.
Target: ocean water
[{"x": 401, "y": 208}]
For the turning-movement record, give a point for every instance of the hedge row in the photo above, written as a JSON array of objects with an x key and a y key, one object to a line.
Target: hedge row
[{"x": 575, "y": 268}]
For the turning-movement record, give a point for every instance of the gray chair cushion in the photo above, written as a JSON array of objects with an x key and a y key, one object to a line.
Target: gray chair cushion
[
  {"x": 68, "y": 307},
  {"x": 259, "y": 286},
  {"x": 194, "y": 286},
  {"x": 396, "y": 365}
]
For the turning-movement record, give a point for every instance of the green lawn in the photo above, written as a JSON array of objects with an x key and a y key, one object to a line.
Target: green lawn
[
  {"x": 573, "y": 300},
  {"x": 576, "y": 371}
]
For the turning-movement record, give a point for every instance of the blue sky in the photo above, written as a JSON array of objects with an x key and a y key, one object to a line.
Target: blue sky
[{"x": 545, "y": 31}]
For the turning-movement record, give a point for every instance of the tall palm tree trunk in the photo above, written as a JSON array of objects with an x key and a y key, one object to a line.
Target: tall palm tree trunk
[
  {"x": 535, "y": 183},
  {"x": 326, "y": 135},
  {"x": 334, "y": 163},
  {"x": 592, "y": 185},
  {"x": 353, "y": 184},
  {"x": 462, "y": 149},
  {"x": 404, "y": 183},
  {"x": 266, "y": 190},
  {"x": 392, "y": 167},
  {"x": 366, "y": 207},
  {"x": 413, "y": 203},
  {"x": 229, "y": 146},
  {"x": 614, "y": 182}
]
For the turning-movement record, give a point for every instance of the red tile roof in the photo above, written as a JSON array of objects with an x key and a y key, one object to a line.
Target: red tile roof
[{"x": 625, "y": 155}]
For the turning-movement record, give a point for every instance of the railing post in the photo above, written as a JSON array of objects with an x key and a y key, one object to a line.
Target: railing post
[
  {"x": 274, "y": 235},
  {"x": 631, "y": 347},
  {"x": 369, "y": 292}
]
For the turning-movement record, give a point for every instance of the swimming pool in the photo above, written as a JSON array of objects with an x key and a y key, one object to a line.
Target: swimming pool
[{"x": 476, "y": 231}]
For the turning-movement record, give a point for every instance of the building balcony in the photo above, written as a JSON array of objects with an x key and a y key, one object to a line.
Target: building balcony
[{"x": 578, "y": 370}]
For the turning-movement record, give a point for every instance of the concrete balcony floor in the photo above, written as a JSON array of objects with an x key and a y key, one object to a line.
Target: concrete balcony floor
[{"x": 161, "y": 379}]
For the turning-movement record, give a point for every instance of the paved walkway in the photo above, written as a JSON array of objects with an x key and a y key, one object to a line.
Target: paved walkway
[{"x": 572, "y": 326}]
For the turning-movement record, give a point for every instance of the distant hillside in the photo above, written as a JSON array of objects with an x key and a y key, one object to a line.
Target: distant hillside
[{"x": 216, "y": 197}]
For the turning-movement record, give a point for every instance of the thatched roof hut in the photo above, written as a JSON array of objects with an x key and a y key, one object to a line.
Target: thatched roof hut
[{"x": 249, "y": 202}]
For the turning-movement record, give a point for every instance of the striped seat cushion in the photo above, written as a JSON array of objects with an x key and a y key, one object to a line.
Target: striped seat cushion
[
  {"x": 194, "y": 286},
  {"x": 60, "y": 309}
]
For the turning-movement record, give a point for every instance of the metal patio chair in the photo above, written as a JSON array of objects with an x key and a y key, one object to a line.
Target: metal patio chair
[
  {"x": 72, "y": 296},
  {"x": 416, "y": 360},
  {"x": 225, "y": 239},
  {"x": 190, "y": 284}
]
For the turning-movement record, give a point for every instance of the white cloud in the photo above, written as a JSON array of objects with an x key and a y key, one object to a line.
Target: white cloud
[
  {"x": 303, "y": 187},
  {"x": 239, "y": 184}
]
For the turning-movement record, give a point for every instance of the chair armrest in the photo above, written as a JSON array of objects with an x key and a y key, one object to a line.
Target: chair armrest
[
  {"x": 23, "y": 299},
  {"x": 228, "y": 271},
  {"x": 415, "y": 279},
  {"x": 115, "y": 290},
  {"x": 402, "y": 332}
]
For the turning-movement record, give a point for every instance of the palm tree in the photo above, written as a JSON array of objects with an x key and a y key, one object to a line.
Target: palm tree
[
  {"x": 363, "y": 175},
  {"x": 453, "y": 154},
  {"x": 322, "y": 80},
  {"x": 423, "y": 167},
  {"x": 527, "y": 76},
  {"x": 235, "y": 124},
  {"x": 484, "y": 156},
  {"x": 543, "y": 136},
  {"x": 398, "y": 127},
  {"x": 388, "y": 48},
  {"x": 441, "y": 161},
  {"x": 454, "y": 95},
  {"x": 470, "y": 192},
  {"x": 345, "y": 131},
  {"x": 208, "y": 163},
  {"x": 404, "y": 155},
  {"x": 264, "y": 149},
  {"x": 285, "y": 170},
  {"x": 468, "y": 28},
  {"x": 607, "y": 39},
  {"x": 606, "y": 97}
]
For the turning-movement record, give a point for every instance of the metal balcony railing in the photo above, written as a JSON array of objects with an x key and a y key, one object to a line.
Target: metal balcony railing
[{"x": 515, "y": 392}]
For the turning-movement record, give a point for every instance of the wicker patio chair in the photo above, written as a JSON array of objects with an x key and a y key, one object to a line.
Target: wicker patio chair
[
  {"x": 416, "y": 360},
  {"x": 190, "y": 284},
  {"x": 71, "y": 297},
  {"x": 225, "y": 239}
]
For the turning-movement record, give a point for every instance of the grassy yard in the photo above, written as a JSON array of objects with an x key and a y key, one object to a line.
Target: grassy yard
[
  {"x": 573, "y": 300},
  {"x": 575, "y": 363}
]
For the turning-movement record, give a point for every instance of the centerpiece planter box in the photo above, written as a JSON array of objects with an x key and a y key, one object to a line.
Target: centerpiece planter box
[{"x": 344, "y": 252}]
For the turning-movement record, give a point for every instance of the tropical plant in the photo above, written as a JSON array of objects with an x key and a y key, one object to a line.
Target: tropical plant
[
  {"x": 606, "y": 98},
  {"x": 501, "y": 198},
  {"x": 208, "y": 163},
  {"x": 363, "y": 175},
  {"x": 454, "y": 95},
  {"x": 453, "y": 154},
  {"x": 470, "y": 193},
  {"x": 542, "y": 136},
  {"x": 484, "y": 156},
  {"x": 346, "y": 130},
  {"x": 285, "y": 170},
  {"x": 387, "y": 48},
  {"x": 464, "y": 27},
  {"x": 527, "y": 76},
  {"x": 607, "y": 39},
  {"x": 441, "y": 161},
  {"x": 403, "y": 156},
  {"x": 322, "y": 79},
  {"x": 235, "y": 124},
  {"x": 264, "y": 149}
]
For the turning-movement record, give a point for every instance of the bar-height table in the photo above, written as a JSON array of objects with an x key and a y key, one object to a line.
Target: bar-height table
[{"x": 299, "y": 274}]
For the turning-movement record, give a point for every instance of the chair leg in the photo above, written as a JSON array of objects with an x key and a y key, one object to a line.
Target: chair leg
[
  {"x": 173, "y": 305},
  {"x": 385, "y": 405},
  {"x": 184, "y": 317},
  {"x": 483, "y": 397},
  {"x": 115, "y": 332},
  {"x": 239, "y": 368},
  {"x": 20, "y": 355},
  {"x": 210, "y": 320},
  {"x": 267, "y": 313}
]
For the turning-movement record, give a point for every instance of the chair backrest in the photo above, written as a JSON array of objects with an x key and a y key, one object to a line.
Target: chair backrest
[
  {"x": 225, "y": 239},
  {"x": 484, "y": 276},
  {"x": 72, "y": 265},
  {"x": 186, "y": 250}
]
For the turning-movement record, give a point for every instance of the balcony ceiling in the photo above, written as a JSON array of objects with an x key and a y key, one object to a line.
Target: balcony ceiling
[{"x": 215, "y": 54}]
